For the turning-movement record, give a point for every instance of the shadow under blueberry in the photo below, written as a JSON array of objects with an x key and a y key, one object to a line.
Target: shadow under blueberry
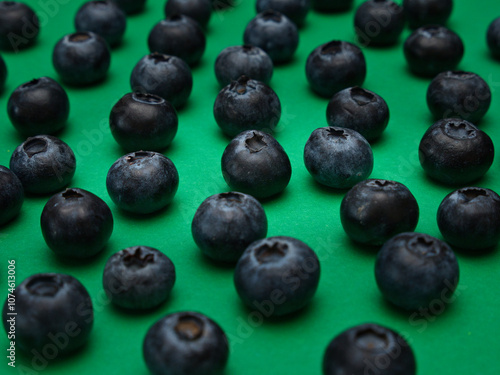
[
  {"x": 313, "y": 184},
  {"x": 69, "y": 262},
  {"x": 212, "y": 265},
  {"x": 364, "y": 249},
  {"x": 128, "y": 215},
  {"x": 143, "y": 313},
  {"x": 474, "y": 253}
]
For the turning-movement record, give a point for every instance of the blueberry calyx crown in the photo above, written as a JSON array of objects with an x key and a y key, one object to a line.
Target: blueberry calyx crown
[
  {"x": 137, "y": 156},
  {"x": 271, "y": 15},
  {"x": 44, "y": 285},
  {"x": 248, "y": 49},
  {"x": 469, "y": 194},
  {"x": 336, "y": 134},
  {"x": 332, "y": 48},
  {"x": 459, "y": 130},
  {"x": 71, "y": 194},
  {"x": 136, "y": 257},
  {"x": 371, "y": 339},
  {"x": 31, "y": 83},
  {"x": 147, "y": 98},
  {"x": 176, "y": 17},
  {"x": 255, "y": 143},
  {"x": 79, "y": 37},
  {"x": 189, "y": 327},
  {"x": 432, "y": 31},
  {"x": 460, "y": 74},
  {"x": 159, "y": 57},
  {"x": 384, "y": 184},
  {"x": 231, "y": 198},
  {"x": 269, "y": 253},
  {"x": 423, "y": 246},
  {"x": 361, "y": 96},
  {"x": 99, "y": 3},
  {"x": 34, "y": 145},
  {"x": 240, "y": 85}
]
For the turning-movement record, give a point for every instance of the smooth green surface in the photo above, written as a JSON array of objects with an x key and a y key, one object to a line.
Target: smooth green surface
[{"x": 462, "y": 340}]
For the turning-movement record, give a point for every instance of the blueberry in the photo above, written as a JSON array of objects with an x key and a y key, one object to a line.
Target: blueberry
[
  {"x": 379, "y": 22},
  {"x": 362, "y": 349},
  {"x": 54, "y": 314},
  {"x": 427, "y": 12},
  {"x": 360, "y": 110},
  {"x": 142, "y": 182},
  {"x": 163, "y": 75},
  {"x": 469, "y": 218},
  {"x": 226, "y": 223},
  {"x": 458, "y": 94},
  {"x": 3, "y": 73},
  {"x": 178, "y": 35},
  {"x": 138, "y": 277},
  {"x": 493, "y": 37},
  {"x": 454, "y": 151},
  {"x": 375, "y": 210},
  {"x": 432, "y": 49},
  {"x": 334, "y": 66},
  {"x": 81, "y": 58},
  {"x": 141, "y": 121},
  {"x": 414, "y": 270},
  {"x": 185, "y": 343},
  {"x": 256, "y": 164},
  {"x": 44, "y": 164},
  {"x": 277, "y": 275},
  {"x": 274, "y": 33},
  {"x": 198, "y": 10},
  {"x": 131, "y": 6},
  {"x": 104, "y": 18},
  {"x": 247, "y": 104},
  {"x": 329, "y": 6},
  {"x": 19, "y": 26},
  {"x": 11, "y": 195},
  {"x": 40, "y": 106},
  {"x": 235, "y": 61},
  {"x": 295, "y": 10},
  {"x": 76, "y": 223},
  {"x": 338, "y": 157}
]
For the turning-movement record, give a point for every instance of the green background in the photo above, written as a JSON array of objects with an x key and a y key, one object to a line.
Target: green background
[{"x": 461, "y": 340}]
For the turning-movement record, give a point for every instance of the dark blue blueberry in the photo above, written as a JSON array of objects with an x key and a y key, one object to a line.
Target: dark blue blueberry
[
  {"x": 458, "y": 94},
  {"x": 493, "y": 37},
  {"x": 198, "y": 10},
  {"x": 81, "y": 58},
  {"x": 295, "y": 10},
  {"x": 369, "y": 349},
  {"x": 54, "y": 314},
  {"x": 185, "y": 343},
  {"x": 455, "y": 152},
  {"x": 338, "y": 157},
  {"x": 427, "y": 12},
  {"x": 142, "y": 182},
  {"x": 332, "y": 6},
  {"x": 375, "y": 210},
  {"x": 469, "y": 218},
  {"x": 40, "y": 106},
  {"x": 44, "y": 164},
  {"x": 104, "y": 18},
  {"x": 163, "y": 75},
  {"x": 11, "y": 195},
  {"x": 256, "y": 164},
  {"x": 379, "y": 22},
  {"x": 3, "y": 73},
  {"x": 334, "y": 66},
  {"x": 274, "y": 33},
  {"x": 138, "y": 277},
  {"x": 415, "y": 270},
  {"x": 76, "y": 223},
  {"x": 131, "y": 6},
  {"x": 178, "y": 35},
  {"x": 432, "y": 49},
  {"x": 277, "y": 275},
  {"x": 141, "y": 121},
  {"x": 225, "y": 224},
  {"x": 360, "y": 110},
  {"x": 236, "y": 61},
  {"x": 246, "y": 104},
  {"x": 19, "y": 26}
]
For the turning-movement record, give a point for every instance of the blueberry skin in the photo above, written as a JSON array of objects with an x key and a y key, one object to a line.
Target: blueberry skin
[
  {"x": 295, "y": 10},
  {"x": 338, "y": 157},
  {"x": 141, "y": 121},
  {"x": 247, "y": 104},
  {"x": 332, "y": 6},
  {"x": 274, "y": 33},
  {"x": 163, "y": 75},
  {"x": 427, "y": 12},
  {"x": 414, "y": 269},
  {"x": 11, "y": 195},
  {"x": 131, "y": 6},
  {"x": 185, "y": 343},
  {"x": 198, "y": 10},
  {"x": 375, "y": 210},
  {"x": 469, "y": 218},
  {"x": 432, "y": 49},
  {"x": 358, "y": 350},
  {"x": 455, "y": 152},
  {"x": 226, "y": 223},
  {"x": 493, "y": 37},
  {"x": 104, "y": 18},
  {"x": 235, "y": 61},
  {"x": 54, "y": 311},
  {"x": 19, "y": 26},
  {"x": 142, "y": 182},
  {"x": 256, "y": 164},
  {"x": 277, "y": 275},
  {"x": 458, "y": 94},
  {"x": 40, "y": 106},
  {"x": 76, "y": 223},
  {"x": 334, "y": 66},
  {"x": 3, "y": 73},
  {"x": 81, "y": 58},
  {"x": 138, "y": 277},
  {"x": 178, "y": 35},
  {"x": 44, "y": 164}
]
